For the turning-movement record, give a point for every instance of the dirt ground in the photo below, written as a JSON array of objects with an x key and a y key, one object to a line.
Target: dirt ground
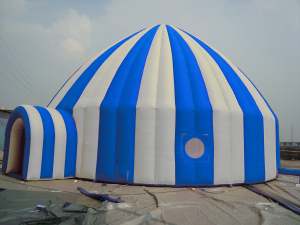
[
  {"x": 153, "y": 205},
  {"x": 234, "y": 205}
]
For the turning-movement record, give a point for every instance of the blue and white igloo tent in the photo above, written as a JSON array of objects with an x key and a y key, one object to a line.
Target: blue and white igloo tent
[{"x": 158, "y": 107}]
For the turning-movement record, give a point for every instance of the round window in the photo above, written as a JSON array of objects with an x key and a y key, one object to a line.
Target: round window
[{"x": 194, "y": 148}]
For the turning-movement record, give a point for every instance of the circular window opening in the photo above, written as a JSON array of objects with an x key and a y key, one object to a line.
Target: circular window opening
[{"x": 194, "y": 148}]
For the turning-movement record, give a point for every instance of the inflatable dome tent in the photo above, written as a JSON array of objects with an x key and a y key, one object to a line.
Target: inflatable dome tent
[{"x": 159, "y": 107}]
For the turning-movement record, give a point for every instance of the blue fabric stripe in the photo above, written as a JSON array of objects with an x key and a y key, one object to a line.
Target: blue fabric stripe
[
  {"x": 71, "y": 144},
  {"x": 21, "y": 113},
  {"x": 74, "y": 93},
  {"x": 193, "y": 115},
  {"x": 115, "y": 159},
  {"x": 48, "y": 143},
  {"x": 289, "y": 171},
  {"x": 253, "y": 120},
  {"x": 276, "y": 123}
]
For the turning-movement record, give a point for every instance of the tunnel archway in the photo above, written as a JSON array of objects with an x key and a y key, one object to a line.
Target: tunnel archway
[
  {"x": 16, "y": 148},
  {"x": 17, "y": 144},
  {"x": 40, "y": 143}
]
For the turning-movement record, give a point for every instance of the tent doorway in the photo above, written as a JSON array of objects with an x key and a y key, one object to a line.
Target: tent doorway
[{"x": 16, "y": 149}]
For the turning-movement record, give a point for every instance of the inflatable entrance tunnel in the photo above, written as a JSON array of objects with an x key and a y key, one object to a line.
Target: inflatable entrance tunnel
[
  {"x": 40, "y": 143},
  {"x": 159, "y": 107}
]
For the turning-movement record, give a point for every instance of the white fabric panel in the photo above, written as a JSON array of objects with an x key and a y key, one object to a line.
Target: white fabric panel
[
  {"x": 78, "y": 115},
  {"x": 36, "y": 143},
  {"x": 155, "y": 116},
  {"x": 144, "y": 158},
  {"x": 269, "y": 123},
  {"x": 89, "y": 149},
  {"x": 166, "y": 116},
  {"x": 227, "y": 118},
  {"x": 87, "y": 122},
  {"x": 59, "y": 144}
]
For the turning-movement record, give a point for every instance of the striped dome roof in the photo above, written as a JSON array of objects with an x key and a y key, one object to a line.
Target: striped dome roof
[{"x": 142, "y": 104}]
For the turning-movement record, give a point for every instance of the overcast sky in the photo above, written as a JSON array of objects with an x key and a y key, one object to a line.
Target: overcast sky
[{"x": 42, "y": 42}]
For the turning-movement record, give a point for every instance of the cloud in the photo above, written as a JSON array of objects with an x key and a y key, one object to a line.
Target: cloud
[
  {"x": 12, "y": 8},
  {"x": 72, "y": 46},
  {"x": 73, "y": 32},
  {"x": 36, "y": 55}
]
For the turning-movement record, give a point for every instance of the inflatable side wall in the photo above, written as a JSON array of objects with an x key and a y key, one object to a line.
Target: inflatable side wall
[{"x": 40, "y": 143}]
